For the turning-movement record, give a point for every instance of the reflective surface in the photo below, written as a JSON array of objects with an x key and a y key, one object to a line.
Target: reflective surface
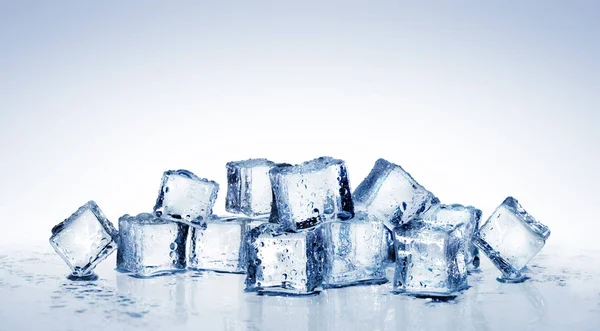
[{"x": 563, "y": 293}]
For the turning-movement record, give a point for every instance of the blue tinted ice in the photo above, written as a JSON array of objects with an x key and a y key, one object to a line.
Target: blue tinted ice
[
  {"x": 84, "y": 239},
  {"x": 249, "y": 187},
  {"x": 511, "y": 237},
  {"x": 184, "y": 197},
  {"x": 390, "y": 256},
  {"x": 221, "y": 246},
  {"x": 356, "y": 252},
  {"x": 290, "y": 263},
  {"x": 312, "y": 192},
  {"x": 465, "y": 219},
  {"x": 392, "y": 195},
  {"x": 429, "y": 262},
  {"x": 150, "y": 245}
]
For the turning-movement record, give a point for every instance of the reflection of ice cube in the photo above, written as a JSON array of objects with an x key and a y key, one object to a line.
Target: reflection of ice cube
[
  {"x": 288, "y": 313},
  {"x": 285, "y": 262},
  {"x": 184, "y": 197},
  {"x": 357, "y": 251},
  {"x": 392, "y": 195},
  {"x": 150, "y": 245},
  {"x": 221, "y": 246},
  {"x": 249, "y": 187},
  {"x": 84, "y": 239},
  {"x": 309, "y": 193},
  {"x": 429, "y": 262},
  {"x": 511, "y": 238},
  {"x": 465, "y": 219},
  {"x": 163, "y": 296}
]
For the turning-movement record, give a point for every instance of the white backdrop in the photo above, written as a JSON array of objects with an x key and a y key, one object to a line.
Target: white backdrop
[{"x": 476, "y": 101}]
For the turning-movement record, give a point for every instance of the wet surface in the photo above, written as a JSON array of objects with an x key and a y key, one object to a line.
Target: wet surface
[{"x": 563, "y": 293}]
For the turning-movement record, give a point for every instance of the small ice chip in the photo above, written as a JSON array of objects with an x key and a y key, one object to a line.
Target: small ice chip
[
  {"x": 429, "y": 262},
  {"x": 287, "y": 263},
  {"x": 249, "y": 187},
  {"x": 310, "y": 193},
  {"x": 221, "y": 246},
  {"x": 84, "y": 239},
  {"x": 186, "y": 198},
  {"x": 511, "y": 238},
  {"x": 150, "y": 245},
  {"x": 392, "y": 195},
  {"x": 455, "y": 216},
  {"x": 357, "y": 251}
]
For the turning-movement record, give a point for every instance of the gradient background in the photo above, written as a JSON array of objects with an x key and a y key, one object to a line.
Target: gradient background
[{"x": 477, "y": 100}]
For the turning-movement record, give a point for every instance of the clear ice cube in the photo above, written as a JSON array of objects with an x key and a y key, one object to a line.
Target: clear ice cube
[
  {"x": 222, "y": 245},
  {"x": 456, "y": 216},
  {"x": 150, "y": 245},
  {"x": 392, "y": 195},
  {"x": 312, "y": 192},
  {"x": 249, "y": 187},
  {"x": 510, "y": 238},
  {"x": 429, "y": 261},
  {"x": 185, "y": 197},
  {"x": 357, "y": 251},
  {"x": 288, "y": 263},
  {"x": 84, "y": 239}
]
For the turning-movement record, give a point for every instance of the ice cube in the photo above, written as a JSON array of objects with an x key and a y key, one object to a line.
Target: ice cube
[
  {"x": 150, "y": 245},
  {"x": 466, "y": 219},
  {"x": 357, "y": 251},
  {"x": 84, "y": 239},
  {"x": 186, "y": 198},
  {"x": 312, "y": 192},
  {"x": 289, "y": 263},
  {"x": 429, "y": 261},
  {"x": 511, "y": 238},
  {"x": 249, "y": 187},
  {"x": 392, "y": 195},
  {"x": 221, "y": 246}
]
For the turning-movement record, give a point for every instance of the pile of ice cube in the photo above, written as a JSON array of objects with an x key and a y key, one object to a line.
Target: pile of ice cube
[{"x": 298, "y": 229}]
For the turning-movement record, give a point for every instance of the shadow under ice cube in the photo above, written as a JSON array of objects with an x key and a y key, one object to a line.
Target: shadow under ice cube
[
  {"x": 185, "y": 197},
  {"x": 429, "y": 262},
  {"x": 84, "y": 239},
  {"x": 150, "y": 245},
  {"x": 311, "y": 193},
  {"x": 464, "y": 219},
  {"x": 392, "y": 195},
  {"x": 511, "y": 238},
  {"x": 357, "y": 252},
  {"x": 287, "y": 263},
  {"x": 222, "y": 245},
  {"x": 249, "y": 187}
]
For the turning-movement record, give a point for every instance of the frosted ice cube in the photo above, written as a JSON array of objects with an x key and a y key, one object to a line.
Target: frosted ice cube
[
  {"x": 429, "y": 262},
  {"x": 249, "y": 187},
  {"x": 222, "y": 245},
  {"x": 456, "y": 216},
  {"x": 357, "y": 251},
  {"x": 150, "y": 245},
  {"x": 511, "y": 238},
  {"x": 392, "y": 195},
  {"x": 289, "y": 263},
  {"x": 312, "y": 192},
  {"x": 84, "y": 239},
  {"x": 184, "y": 197}
]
